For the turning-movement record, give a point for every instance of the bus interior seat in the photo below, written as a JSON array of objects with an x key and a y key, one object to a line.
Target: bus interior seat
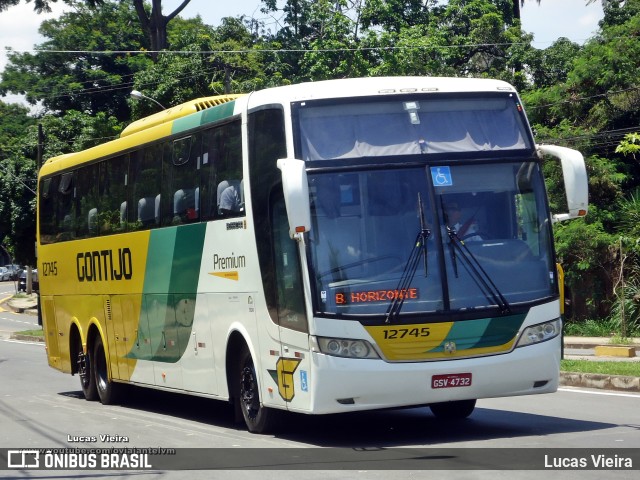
[
  {"x": 123, "y": 213},
  {"x": 148, "y": 210},
  {"x": 223, "y": 185},
  {"x": 92, "y": 221},
  {"x": 185, "y": 204},
  {"x": 157, "y": 209},
  {"x": 67, "y": 223}
]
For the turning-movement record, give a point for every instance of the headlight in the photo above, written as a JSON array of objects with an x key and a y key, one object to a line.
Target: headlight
[
  {"x": 540, "y": 333},
  {"x": 343, "y": 347}
]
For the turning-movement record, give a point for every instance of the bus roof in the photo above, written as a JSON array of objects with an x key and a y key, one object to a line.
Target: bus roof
[
  {"x": 137, "y": 133},
  {"x": 373, "y": 86},
  {"x": 178, "y": 111},
  {"x": 160, "y": 124}
]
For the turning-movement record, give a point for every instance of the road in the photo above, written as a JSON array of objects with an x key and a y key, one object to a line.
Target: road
[
  {"x": 40, "y": 407},
  {"x": 13, "y": 322}
]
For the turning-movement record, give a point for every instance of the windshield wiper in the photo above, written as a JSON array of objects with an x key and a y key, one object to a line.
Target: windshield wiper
[
  {"x": 475, "y": 270},
  {"x": 419, "y": 250}
]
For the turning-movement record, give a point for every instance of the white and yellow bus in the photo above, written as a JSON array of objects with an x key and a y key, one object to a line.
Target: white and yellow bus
[{"x": 324, "y": 247}]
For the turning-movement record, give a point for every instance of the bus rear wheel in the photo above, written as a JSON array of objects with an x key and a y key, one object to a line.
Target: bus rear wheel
[
  {"x": 458, "y": 409},
  {"x": 258, "y": 418},
  {"x": 86, "y": 374},
  {"x": 107, "y": 390}
]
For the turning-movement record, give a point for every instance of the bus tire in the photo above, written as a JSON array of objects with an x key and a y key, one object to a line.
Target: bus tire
[
  {"x": 458, "y": 409},
  {"x": 86, "y": 374},
  {"x": 259, "y": 419},
  {"x": 107, "y": 390}
]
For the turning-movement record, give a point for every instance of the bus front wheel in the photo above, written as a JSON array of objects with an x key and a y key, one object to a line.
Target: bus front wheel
[
  {"x": 258, "y": 418},
  {"x": 107, "y": 390},
  {"x": 453, "y": 410}
]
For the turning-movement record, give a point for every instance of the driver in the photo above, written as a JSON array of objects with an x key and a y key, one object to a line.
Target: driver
[{"x": 467, "y": 230}]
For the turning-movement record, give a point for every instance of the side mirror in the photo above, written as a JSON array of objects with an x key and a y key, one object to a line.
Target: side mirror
[
  {"x": 576, "y": 183},
  {"x": 296, "y": 194}
]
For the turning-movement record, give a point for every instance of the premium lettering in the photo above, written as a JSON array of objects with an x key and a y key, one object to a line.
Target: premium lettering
[
  {"x": 104, "y": 265},
  {"x": 226, "y": 263}
]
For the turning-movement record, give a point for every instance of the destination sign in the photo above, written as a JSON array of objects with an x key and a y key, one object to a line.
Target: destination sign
[{"x": 372, "y": 296}]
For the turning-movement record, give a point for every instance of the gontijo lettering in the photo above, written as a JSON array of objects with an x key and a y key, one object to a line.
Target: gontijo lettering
[
  {"x": 104, "y": 265},
  {"x": 376, "y": 296}
]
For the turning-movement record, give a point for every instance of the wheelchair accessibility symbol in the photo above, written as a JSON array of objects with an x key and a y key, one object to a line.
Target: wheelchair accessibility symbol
[{"x": 441, "y": 177}]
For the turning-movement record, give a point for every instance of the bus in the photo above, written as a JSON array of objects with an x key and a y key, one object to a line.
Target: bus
[{"x": 326, "y": 247}]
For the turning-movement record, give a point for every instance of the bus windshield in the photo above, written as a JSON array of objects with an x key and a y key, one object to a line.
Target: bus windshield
[
  {"x": 411, "y": 126},
  {"x": 432, "y": 238}
]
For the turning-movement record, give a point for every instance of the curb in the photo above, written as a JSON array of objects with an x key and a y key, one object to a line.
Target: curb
[
  {"x": 27, "y": 338},
  {"x": 600, "y": 381}
]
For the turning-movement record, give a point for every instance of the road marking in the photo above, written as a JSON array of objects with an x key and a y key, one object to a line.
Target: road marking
[
  {"x": 592, "y": 392},
  {"x": 24, "y": 342},
  {"x": 2, "y": 300}
]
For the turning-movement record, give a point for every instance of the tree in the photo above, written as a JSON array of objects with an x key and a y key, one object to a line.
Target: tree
[
  {"x": 589, "y": 101},
  {"x": 154, "y": 23},
  {"x": 74, "y": 69},
  {"x": 14, "y": 121}
]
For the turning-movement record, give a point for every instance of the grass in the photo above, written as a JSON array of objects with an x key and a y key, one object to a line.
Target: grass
[
  {"x": 31, "y": 333},
  {"x": 631, "y": 369}
]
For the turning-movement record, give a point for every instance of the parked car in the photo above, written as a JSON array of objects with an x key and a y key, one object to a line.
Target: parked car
[
  {"x": 15, "y": 270},
  {"x": 22, "y": 281},
  {"x": 5, "y": 274}
]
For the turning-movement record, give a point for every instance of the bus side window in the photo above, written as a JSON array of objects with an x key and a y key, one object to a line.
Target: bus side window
[
  {"x": 86, "y": 193},
  {"x": 229, "y": 195},
  {"x": 146, "y": 175},
  {"x": 112, "y": 186},
  {"x": 180, "y": 177},
  {"x": 208, "y": 161},
  {"x": 66, "y": 217},
  {"x": 290, "y": 299},
  {"x": 47, "y": 213}
]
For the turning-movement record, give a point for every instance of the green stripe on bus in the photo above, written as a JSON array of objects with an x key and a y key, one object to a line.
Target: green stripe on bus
[
  {"x": 218, "y": 113},
  {"x": 167, "y": 318},
  {"x": 186, "y": 123},
  {"x": 187, "y": 256},
  {"x": 158, "y": 273},
  {"x": 209, "y": 115},
  {"x": 482, "y": 333},
  {"x": 500, "y": 331}
]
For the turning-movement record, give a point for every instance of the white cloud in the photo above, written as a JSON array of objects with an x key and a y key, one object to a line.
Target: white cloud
[{"x": 19, "y": 27}]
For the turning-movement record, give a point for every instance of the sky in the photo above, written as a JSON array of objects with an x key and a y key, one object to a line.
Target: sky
[{"x": 548, "y": 21}]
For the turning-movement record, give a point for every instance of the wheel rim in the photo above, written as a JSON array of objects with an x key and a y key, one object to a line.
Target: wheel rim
[
  {"x": 101, "y": 369},
  {"x": 83, "y": 368},
  {"x": 249, "y": 393}
]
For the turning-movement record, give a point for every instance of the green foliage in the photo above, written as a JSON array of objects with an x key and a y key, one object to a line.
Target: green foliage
[
  {"x": 625, "y": 314},
  {"x": 590, "y": 328},
  {"x": 17, "y": 176},
  {"x": 83, "y": 81},
  {"x": 630, "y": 369},
  {"x": 630, "y": 145},
  {"x": 584, "y": 249}
]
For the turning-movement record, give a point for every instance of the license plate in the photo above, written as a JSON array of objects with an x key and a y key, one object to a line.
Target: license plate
[{"x": 451, "y": 380}]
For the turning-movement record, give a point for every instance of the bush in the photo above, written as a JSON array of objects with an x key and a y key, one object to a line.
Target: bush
[{"x": 590, "y": 328}]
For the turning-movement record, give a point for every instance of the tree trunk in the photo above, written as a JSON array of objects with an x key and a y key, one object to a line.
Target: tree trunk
[{"x": 155, "y": 24}]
